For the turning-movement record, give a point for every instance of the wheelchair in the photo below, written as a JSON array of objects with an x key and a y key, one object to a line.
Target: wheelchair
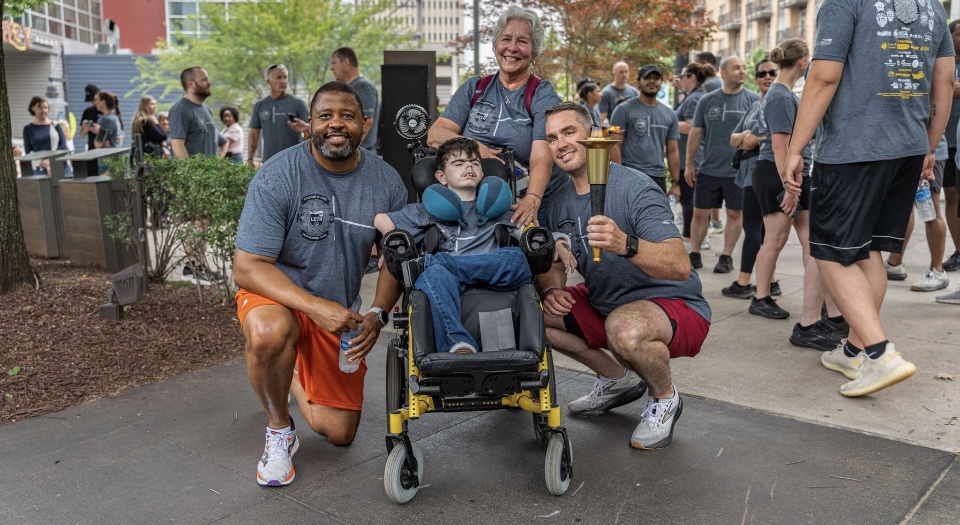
[{"x": 515, "y": 370}]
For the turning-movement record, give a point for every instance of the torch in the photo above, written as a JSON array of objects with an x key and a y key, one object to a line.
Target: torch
[{"x": 598, "y": 171}]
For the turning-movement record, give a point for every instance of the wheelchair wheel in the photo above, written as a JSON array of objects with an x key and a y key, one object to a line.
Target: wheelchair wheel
[
  {"x": 539, "y": 430},
  {"x": 557, "y": 471},
  {"x": 398, "y": 479},
  {"x": 395, "y": 384}
]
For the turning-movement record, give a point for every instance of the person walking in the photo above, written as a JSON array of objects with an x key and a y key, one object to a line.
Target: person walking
[{"x": 279, "y": 120}]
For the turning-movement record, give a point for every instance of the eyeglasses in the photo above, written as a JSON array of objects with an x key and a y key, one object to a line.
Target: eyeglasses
[{"x": 765, "y": 72}]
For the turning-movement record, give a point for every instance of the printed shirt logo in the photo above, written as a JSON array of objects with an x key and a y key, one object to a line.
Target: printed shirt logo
[
  {"x": 641, "y": 125},
  {"x": 315, "y": 216},
  {"x": 481, "y": 117},
  {"x": 577, "y": 241},
  {"x": 714, "y": 112}
]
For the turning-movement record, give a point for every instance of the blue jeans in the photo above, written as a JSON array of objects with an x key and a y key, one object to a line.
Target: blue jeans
[{"x": 445, "y": 277}]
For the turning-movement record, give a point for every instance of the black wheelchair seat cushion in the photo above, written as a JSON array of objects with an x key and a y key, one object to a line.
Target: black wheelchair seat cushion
[{"x": 528, "y": 329}]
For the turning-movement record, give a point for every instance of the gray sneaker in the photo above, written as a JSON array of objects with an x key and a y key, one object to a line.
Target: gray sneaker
[
  {"x": 895, "y": 273},
  {"x": 876, "y": 374},
  {"x": 655, "y": 430},
  {"x": 953, "y": 262},
  {"x": 950, "y": 298},
  {"x": 608, "y": 394},
  {"x": 932, "y": 281},
  {"x": 838, "y": 361}
]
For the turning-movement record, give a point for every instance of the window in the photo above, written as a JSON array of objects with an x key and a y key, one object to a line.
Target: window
[
  {"x": 53, "y": 11},
  {"x": 69, "y": 32},
  {"x": 39, "y": 23},
  {"x": 84, "y": 21},
  {"x": 69, "y": 15},
  {"x": 83, "y": 5},
  {"x": 182, "y": 8},
  {"x": 56, "y": 28},
  {"x": 86, "y": 36}
]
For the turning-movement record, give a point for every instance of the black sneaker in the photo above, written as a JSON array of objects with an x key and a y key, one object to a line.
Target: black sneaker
[
  {"x": 768, "y": 308},
  {"x": 818, "y": 336},
  {"x": 696, "y": 261},
  {"x": 737, "y": 290},
  {"x": 841, "y": 329},
  {"x": 953, "y": 263},
  {"x": 775, "y": 289},
  {"x": 724, "y": 265}
]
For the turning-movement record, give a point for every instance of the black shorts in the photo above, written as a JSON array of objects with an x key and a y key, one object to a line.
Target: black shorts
[
  {"x": 767, "y": 186},
  {"x": 861, "y": 207},
  {"x": 950, "y": 175},
  {"x": 711, "y": 192},
  {"x": 661, "y": 182}
]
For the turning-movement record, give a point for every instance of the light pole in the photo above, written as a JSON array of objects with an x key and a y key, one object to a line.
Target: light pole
[{"x": 476, "y": 36}]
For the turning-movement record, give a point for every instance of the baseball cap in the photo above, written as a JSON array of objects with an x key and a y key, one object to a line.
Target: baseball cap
[
  {"x": 89, "y": 91},
  {"x": 650, "y": 68}
]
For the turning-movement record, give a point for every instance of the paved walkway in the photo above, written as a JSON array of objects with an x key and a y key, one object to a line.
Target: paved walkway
[{"x": 764, "y": 438}]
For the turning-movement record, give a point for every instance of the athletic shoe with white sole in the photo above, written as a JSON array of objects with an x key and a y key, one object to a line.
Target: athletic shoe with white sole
[
  {"x": 876, "y": 374},
  {"x": 931, "y": 282},
  {"x": 950, "y": 298},
  {"x": 275, "y": 468},
  {"x": 657, "y": 420},
  {"x": 895, "y": 273},
  {"x": 608, "y": 394},
  {"x": 838, "y": 361}
]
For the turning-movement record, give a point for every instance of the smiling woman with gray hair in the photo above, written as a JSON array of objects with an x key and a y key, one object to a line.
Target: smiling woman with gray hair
[{"x": 507, "y": 109}]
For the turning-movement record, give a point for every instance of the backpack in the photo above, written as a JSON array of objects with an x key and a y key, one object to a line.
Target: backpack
[{"x": 532, "y": 84}]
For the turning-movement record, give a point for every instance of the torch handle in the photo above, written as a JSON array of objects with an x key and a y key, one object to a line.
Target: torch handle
[{"x": 598, "y": 194}]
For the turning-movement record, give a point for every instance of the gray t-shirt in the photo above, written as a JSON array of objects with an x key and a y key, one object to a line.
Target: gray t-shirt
[
  {"x": 113, "y": 134},
  {"x": 371, "y": 108},
  {"x": 271, "y": 115},
  {"x": 611, "y": 94},
  {"x": 195, "y": 125},
  {"x": 718, "y": 114},
  {"x": 778, "y": 111},
  {"x": 882, "y": 102},
  {"x": 685, "y": 111},
  {"x": 500, "y": 119},
  {"x": 594, "y": 114},
  {"x": 951, "y": 130},
  {"x": 751, "y": 121},
  {"x": 318, "y": 225},
  {"x": 646, "y": 130},
  {"x": 712, "y": 84},
  {"x": 473, "y": 239},
  {"x": 640, "y": 208}
]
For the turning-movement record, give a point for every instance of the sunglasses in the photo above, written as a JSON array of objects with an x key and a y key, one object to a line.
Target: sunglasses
[
  {"x": 276, "y": 66},
  {"x": 765, "y": 72}
]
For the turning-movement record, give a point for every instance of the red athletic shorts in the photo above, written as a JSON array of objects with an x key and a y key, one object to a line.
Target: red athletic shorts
[
  {"x": 318, "y": 360},
  {"x": 690, "y": 329}
]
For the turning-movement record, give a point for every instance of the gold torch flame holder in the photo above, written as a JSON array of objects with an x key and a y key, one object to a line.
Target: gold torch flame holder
[{"x": 598, "y": 171}]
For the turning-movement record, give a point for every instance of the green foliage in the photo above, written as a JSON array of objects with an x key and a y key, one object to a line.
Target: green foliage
[
  {"x": 300, "y": 34},
  {"x": 16, "y": 7},
  {"x": 198, "y": 202},
  {"x": 14, "y": 371}
]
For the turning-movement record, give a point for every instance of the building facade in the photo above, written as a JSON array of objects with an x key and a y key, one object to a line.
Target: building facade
[
  {"x": 34, "y": 46},
  {"x": 437, "y": 23}
]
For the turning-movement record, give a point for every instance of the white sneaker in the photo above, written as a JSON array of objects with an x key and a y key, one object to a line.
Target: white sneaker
[
  {"x": 275, "y": 468},
  {"x": 656, "y": 422},
  {"x": 876, "y": 374},
  {"x": 950, "y": 298},
  {"x": 895, "y": 273},
  {"x": 838, "y": 361},
  {"x": 608, "y": 394},
  {"x": 932, "y": 281},
  {"x": 705, "y": 245}
]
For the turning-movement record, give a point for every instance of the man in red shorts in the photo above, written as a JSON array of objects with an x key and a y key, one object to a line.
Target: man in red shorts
[
  {"x": 640, "y": 306},
  {"x": 304, "y": 240}
]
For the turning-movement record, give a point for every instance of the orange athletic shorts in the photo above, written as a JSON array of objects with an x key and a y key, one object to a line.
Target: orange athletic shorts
[{"x": 318, "y": 359}]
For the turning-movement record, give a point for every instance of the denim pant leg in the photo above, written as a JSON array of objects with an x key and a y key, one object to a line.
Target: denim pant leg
[
  {"x": 443, "y": 291},
  {"x": 503, "y": 269}
]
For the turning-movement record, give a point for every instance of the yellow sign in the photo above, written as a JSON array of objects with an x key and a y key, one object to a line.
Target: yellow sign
[{"x": 16, "y": 35}]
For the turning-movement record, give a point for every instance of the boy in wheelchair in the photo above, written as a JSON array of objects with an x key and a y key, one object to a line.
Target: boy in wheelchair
[{"x": 463, "y": 225}]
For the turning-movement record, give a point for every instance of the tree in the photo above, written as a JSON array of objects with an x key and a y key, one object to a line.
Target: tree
[
  {"x": 301, "y": 34},
  {"x": 15, "y": 269},
  {"x": 586, "y": 37}
]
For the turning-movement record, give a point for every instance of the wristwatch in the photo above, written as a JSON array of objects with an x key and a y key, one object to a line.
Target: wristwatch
[
  {"x": 382, "y": 315},
  {"x": 633, "y": 246}
]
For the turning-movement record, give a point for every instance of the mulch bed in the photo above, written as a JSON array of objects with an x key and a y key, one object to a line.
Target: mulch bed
[{"x": 57, "y": 352}]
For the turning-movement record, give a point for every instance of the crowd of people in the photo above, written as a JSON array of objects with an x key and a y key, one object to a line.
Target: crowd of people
[{"x": 839, "y": 165}]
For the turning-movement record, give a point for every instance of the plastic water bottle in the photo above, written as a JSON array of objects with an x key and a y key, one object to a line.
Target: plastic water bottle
[
  {"x": 345, "y": 365},
  {"x": 673, "y": 201},
  {"x": 925, "y": 202}
]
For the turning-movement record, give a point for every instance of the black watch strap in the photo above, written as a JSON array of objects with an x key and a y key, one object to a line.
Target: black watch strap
[{"x": 633, "y": 246}]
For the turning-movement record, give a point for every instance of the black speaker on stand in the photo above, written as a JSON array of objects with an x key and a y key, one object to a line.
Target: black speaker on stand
[{"x": 403, "y": 85}]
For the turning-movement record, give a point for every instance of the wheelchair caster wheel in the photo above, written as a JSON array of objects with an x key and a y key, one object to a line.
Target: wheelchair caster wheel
[
  {"x": 558, "y": 465},
  {"x": 399, "y": 480}
]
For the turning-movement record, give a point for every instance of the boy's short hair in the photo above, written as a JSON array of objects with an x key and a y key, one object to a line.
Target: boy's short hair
[{"x": 448, "y": 149}]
